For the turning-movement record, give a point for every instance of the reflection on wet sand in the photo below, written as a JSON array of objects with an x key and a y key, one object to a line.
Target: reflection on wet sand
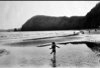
[
  {"x": 94, "y": 46},
  {"x": 53, "y": 60}
]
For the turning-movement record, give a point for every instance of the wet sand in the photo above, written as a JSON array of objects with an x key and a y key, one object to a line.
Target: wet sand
[
  {"x": 67, "y": 56},
  {"x": 75, "y": 56}
]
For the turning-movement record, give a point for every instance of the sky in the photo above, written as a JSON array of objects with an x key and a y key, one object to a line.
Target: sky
[{"x": 13, "y": 14}]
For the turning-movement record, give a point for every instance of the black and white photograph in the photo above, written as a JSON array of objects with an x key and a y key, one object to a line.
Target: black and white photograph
[{"x": 49, "y": 34}]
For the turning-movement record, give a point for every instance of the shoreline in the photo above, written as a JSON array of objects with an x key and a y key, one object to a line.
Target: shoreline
[{"x": 70, "y": 55}]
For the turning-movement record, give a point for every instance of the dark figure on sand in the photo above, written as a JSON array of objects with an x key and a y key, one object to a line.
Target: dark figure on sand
[
  {"x": 95, "y": 30},
  {"x": 53, "y": 47}
]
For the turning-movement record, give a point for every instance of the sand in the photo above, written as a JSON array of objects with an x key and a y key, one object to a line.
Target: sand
[
  {"x": 37, "y": 57},
  {"x": 67, "y": 56}
]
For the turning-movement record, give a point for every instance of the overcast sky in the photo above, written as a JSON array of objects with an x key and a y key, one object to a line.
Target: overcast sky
[{"x": 13, "y": 14}]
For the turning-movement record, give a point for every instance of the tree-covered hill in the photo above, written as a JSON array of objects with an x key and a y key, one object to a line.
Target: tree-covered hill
[{"x": 41, "y": 22}]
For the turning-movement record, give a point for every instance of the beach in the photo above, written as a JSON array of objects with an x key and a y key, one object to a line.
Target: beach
[{"x": 24, "y": 53}]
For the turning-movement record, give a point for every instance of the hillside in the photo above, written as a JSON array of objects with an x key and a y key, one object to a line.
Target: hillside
[{"x": 41, "y": 22}]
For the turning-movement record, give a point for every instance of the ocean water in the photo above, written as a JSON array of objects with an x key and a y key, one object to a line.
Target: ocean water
[
  {"x": 40, "y": 36},
  {"x": 21, "y": 50},
  {"x": 31, "y": 35}
]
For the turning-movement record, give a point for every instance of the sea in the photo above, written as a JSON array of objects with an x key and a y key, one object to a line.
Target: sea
[{"x": 9, "y": 37}]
